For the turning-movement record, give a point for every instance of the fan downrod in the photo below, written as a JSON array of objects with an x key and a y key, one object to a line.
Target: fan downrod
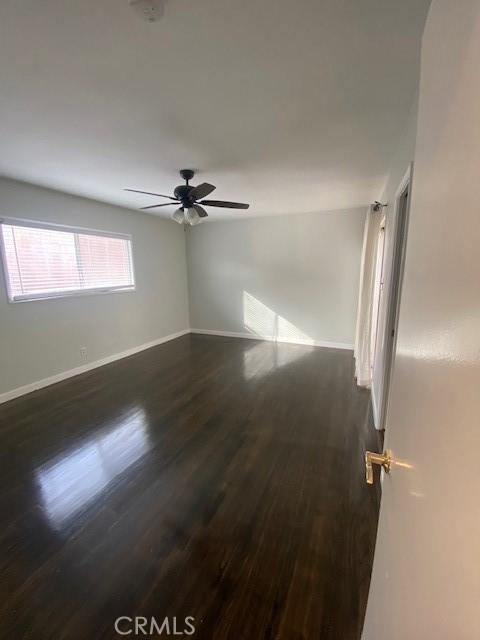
[{"x": 181, "y": 192}]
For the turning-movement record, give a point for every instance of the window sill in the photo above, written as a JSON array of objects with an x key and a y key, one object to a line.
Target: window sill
[{"x": 78, "y": 293}]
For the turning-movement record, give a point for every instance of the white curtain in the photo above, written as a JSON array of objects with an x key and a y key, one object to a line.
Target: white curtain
[{"x": 363, "y": 364}]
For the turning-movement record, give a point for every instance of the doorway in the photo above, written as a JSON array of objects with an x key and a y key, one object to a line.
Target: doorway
[{"x": 390, "y": 284}]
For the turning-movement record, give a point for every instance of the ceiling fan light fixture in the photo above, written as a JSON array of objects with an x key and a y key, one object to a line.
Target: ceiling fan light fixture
[
  {"x": 191, "y": 217},
  {"x": 179, "y": 216}
]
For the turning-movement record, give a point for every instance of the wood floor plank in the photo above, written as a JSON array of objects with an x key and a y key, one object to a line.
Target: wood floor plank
[{"x": 210, "y": 477}]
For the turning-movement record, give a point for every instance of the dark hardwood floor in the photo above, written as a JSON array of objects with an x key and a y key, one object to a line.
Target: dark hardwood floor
[{"x": 209, "y": 477}]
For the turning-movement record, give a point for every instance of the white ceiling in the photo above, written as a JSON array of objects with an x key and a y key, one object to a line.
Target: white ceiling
[{"x": 291, "y": 105}]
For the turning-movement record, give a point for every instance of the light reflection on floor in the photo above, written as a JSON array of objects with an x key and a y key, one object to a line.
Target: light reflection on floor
[
  {"x": 72, "y": 480},
  {"x": 264, "y": 358},
  {"x": 265, "y": 323}
]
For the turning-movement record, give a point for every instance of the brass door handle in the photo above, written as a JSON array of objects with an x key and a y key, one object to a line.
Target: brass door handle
[{"x": 371, "y": 458}]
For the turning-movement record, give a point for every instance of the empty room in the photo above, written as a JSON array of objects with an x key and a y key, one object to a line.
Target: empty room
[{"x": 239, "y": 319}]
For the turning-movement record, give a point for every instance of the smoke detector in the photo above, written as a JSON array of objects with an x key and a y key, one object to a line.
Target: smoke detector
[{"x": 150, "y": 10}]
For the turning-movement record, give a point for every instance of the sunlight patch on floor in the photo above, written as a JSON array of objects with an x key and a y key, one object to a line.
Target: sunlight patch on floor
[
  {"x": 264, "y": 358},
  {"x": 265, "y": 323}
]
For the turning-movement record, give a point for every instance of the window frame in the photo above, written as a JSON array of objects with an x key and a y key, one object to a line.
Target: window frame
[{"x": 70, "y": 293}]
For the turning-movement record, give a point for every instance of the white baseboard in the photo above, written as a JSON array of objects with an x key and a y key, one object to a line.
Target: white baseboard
[
  {"x": 45, "y": 382},
  {"x": 252, "y": 336}
]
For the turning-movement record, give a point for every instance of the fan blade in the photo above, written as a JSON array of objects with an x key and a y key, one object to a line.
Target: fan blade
[
  {"x": 154, "y": 206},
  {"x": 201, "y": 191},
  {"x": 149, "y": 193},
  {"x": 226, "y": 205},
  {"x": 200, "y": 210}
]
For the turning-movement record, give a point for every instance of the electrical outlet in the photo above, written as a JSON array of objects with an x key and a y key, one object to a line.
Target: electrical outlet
[{"x": 83, "y": 353}]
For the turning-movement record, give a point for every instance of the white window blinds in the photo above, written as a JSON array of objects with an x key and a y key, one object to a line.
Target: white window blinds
[{"x": 42, "y": 261}]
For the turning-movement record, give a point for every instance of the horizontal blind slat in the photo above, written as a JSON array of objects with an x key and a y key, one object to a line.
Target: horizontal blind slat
[{"x": 39, "y": 261}]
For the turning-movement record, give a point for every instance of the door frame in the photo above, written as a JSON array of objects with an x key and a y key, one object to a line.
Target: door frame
[
  {"x": 394, "y": 290},
  {"x": 376, "y": 299}
]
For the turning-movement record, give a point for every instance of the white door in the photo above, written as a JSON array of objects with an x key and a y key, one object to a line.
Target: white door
[{"x": 426, "y": 576}]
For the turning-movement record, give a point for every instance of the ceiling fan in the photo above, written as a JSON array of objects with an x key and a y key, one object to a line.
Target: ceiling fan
[{"x": 191, "y": 200}]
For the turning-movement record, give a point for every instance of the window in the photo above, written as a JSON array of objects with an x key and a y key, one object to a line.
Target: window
[{"x": 48, "y": 261}]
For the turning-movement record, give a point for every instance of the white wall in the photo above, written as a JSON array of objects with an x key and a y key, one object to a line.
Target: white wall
[
  {"x": 426, "y": 577},
  {"x": 399, "y": 165},
  {"x": 43, "y": 338},
  {"x": 293, "y": 277}
]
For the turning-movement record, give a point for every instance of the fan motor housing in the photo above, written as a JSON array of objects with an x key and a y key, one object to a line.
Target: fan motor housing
[{"x": 181, "y": 192}]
